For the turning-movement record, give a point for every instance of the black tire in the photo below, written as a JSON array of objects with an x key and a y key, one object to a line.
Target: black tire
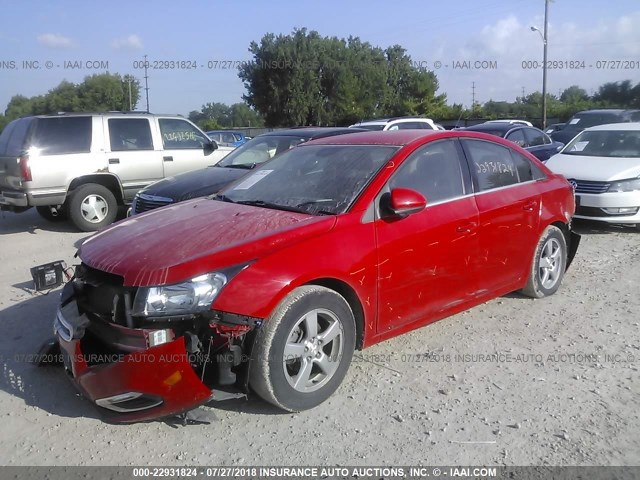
[
  {"x": 274, "y": 373},
  {"x": 91, "y": 215},
  {"x": 46, "y": 213},
  {"x": 549, "y": 264}
]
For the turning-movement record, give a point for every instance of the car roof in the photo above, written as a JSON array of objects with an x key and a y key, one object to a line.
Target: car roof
[
  {"x": 633, "y": 126},
  {"x": 311, "y": 132},
  {"x": 401, "y": 138},
  {"x": 492, "y": 127},
  {"x": 605, "y": 110},
  {"x": 384, "y": 121}
]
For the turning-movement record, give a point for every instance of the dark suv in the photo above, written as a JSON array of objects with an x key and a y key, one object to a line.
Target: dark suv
[{"x": 591, "y": 118}]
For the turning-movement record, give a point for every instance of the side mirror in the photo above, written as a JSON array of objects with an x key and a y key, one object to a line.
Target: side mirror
[
  {"x": 212, "y": 145},
  {"x": 402, "y": 202}
]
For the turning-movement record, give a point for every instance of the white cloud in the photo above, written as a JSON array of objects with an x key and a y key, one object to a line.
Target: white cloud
[
  {"x": 55, "y": 40},
  {"x": 130, "y": 42},
  {"x": 510, "y": 41}
]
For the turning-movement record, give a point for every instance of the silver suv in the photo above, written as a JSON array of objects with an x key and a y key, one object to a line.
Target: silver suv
[{"x": 82, "y": 166}]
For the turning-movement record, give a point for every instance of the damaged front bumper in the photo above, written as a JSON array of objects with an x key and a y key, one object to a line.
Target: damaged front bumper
[
  {"x": 144, "y": 372},
  {"x": 142, "y": 385}
]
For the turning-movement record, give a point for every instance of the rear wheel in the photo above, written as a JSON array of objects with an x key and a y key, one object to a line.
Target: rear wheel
[
  {"x": 53, "y": 214},
  {"x": 92, "y": 207},
  {"x": 304, "y": 349},
  {"x": 549, "y": 264}
]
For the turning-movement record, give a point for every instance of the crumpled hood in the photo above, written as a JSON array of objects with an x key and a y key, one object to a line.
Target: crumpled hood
[
  {"x": 196, "y": 183},
  {"x": 188, "y": 239}
]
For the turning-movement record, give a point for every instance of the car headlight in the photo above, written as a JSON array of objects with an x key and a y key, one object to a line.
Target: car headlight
[
  {"x": 625, "y": 185},
  {"x": 193, "y": 296}
]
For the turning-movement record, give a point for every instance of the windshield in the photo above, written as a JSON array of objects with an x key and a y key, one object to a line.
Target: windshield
[
  {"x": 314, "y": 179},
  {"x": 259, "y": 150},
  {"x": 605, "y": 143}
]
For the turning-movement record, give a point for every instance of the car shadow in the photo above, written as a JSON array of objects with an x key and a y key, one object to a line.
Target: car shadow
[
  {"x": 30, "y": 221},
  {"x": 588, "y": 227},
  {"x": 26, "y": 326}
]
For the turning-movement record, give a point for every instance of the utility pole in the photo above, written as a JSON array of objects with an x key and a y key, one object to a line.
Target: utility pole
[
  {"x": 146, "y": 81},
  {"x": 473, "y": 95},
  {"x": 544, "y": 66},
  {"x": 545, "y": 38},
  {"x": 522, "y": 94}
]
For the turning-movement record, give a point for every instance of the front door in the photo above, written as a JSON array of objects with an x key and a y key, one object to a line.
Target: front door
[{"x": 426, "y": 260}]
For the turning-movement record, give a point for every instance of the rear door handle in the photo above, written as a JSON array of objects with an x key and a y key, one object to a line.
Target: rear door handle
[
  {"x": 466, "y": 227},
  {"x": 113, "y": 161},
  {"x": 167, "y": 159},
  {"x": 530, "y": 206}
]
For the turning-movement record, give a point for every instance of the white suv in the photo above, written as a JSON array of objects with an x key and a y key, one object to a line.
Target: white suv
[
  {"x": 83, "y": 165},
  {"x": 400, "y": 123}
]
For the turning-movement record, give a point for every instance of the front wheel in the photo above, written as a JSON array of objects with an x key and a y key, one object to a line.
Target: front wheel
[
  {"x": 92, "y": 207},
  {"x": 549, "y": 264},
  {"x": 304, "y": 349}
]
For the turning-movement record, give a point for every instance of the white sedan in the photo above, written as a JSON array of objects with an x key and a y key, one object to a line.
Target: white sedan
[{"x": 603, "y": 165}]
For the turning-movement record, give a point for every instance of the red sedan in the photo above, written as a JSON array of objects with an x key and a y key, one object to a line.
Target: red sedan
[{"x": 333, "y": 246}]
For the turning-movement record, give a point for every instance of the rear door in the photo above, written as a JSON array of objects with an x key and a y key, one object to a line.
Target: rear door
[
  {"x": 426, "y": 260},
  {"x": 131, "y": 154},
  {"x": 509, "y": 209},
  {"x": 186, "y": 147}
]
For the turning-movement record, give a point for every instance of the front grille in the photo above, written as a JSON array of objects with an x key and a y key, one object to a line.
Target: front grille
[
  {"x": 143, "y": 202},
  {"x": 587, "y": 186}
]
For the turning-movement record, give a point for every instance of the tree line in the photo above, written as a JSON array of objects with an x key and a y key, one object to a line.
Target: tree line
[
  {"x": 97, "y": 93},
  {"x": 307, "y": 79}
]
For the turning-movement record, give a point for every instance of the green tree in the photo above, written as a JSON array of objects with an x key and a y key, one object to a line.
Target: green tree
[{"x": 306, "y": 79}]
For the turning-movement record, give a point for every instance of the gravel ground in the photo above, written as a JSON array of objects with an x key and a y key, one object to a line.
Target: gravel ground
[{"x": 562, "y": 386}]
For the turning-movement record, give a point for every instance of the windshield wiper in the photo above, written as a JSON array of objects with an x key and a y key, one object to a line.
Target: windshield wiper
[
  {"x": 242, "y": 166},
  {"x": 221, "y": 197},
  {"x": 274, "y": 206}
]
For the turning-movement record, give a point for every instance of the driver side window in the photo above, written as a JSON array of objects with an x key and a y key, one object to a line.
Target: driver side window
[{"x": 434, "y": 171}]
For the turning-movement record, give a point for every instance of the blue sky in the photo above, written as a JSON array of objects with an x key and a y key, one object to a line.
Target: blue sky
[{"x": 497, "y": 31}]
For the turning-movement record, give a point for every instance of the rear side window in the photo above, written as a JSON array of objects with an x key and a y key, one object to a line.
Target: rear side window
[
  {"x": 177, "y": 133},
  {"x": 492, "y": 165},
  {"x": 536, "y": 137},
  {"x": 517, "y": 137},
  {"x": 129, "y": 134},
  {"x": 62, "y": 135},
  {"x": 12, "y": 140}
]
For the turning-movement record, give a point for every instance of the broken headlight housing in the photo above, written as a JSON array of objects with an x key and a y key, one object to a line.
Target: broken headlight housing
[{"x": 195, "y": 295}]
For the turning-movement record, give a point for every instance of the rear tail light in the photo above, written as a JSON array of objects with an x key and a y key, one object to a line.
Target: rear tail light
[{"x": 25, "y": 170}]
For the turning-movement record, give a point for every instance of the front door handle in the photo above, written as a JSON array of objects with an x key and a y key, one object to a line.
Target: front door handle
[
  {"x": 466, "y": 227},
  {"x": 530, "y": 206},
  {"x": 113, "y": 161},
  {"x": 167, "y": 159}
]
